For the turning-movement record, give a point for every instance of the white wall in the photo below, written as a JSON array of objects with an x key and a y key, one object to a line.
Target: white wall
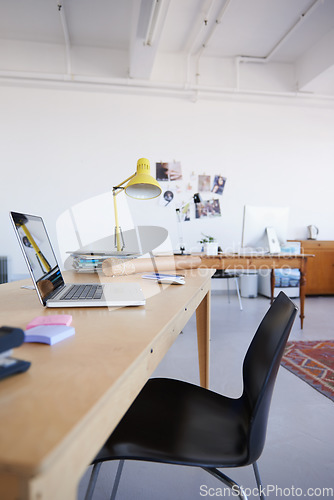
[{"x": 60, "y": 147}]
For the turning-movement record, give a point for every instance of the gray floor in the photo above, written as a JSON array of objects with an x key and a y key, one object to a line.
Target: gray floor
[{"x": 299, "y": 450}]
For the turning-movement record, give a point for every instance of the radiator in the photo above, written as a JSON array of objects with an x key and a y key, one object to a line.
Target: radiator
[{"x": 3, "y": 270}]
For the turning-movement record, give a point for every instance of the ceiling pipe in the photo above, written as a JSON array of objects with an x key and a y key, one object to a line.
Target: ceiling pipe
[
  {"x": 130, "y": 84},
  {"x": 237, "y": 72},
  {"x": 203, "y": 26},
  {"x": 63, "y": 21},
  {"x": 123, "y": 83},
  {"x": 218, "y": 20},
  {"x": 248, "y": 59},
  {"x": 286, "y": 35}
]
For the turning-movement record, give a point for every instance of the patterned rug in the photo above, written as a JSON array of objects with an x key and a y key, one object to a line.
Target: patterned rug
[{"x": 313, "y": 362}]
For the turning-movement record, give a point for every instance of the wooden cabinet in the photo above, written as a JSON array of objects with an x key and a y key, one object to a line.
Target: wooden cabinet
[{"x": 320, "y": 269}]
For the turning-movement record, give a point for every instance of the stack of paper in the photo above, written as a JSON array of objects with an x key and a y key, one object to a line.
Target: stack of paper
[
  {"x": 87, "y": 263},
  {"x": 90, "y": 262}
]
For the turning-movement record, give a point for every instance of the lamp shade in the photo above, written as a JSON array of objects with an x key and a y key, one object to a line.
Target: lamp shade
[{"x": 143, "y": 186}]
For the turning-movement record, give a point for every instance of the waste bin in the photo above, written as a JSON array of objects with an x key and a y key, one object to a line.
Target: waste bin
[{"x": 249, "y": 284}]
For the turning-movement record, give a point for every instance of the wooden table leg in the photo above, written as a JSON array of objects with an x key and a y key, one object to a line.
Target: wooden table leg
[
  {"x": 203, "y": 340},
  {"x": 272, "y": 285}
]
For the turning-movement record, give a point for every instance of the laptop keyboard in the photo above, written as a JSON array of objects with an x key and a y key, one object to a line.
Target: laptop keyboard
[{"x": 79, "y": 292}]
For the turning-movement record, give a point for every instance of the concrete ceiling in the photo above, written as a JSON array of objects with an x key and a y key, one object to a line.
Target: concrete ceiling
[{"x": 266, "y": 46}]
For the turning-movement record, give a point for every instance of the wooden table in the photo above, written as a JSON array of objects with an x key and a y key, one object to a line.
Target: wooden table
[
  {"x": 56, "y": 416},
  {"x": 272, "y": 262}
]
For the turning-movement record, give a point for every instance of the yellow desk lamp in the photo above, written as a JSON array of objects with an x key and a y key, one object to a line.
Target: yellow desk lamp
[{"x": 141, "y": 186}]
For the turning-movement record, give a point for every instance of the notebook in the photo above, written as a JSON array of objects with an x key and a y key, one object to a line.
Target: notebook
[{"x": 48, "y": 280}]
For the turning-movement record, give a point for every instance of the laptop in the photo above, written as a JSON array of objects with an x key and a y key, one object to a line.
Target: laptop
[{"x": 48, "y": 280}]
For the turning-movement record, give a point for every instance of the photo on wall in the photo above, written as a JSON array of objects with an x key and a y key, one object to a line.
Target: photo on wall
[
  {"x": 184, "y": 212},
  {"x": 167, "y": 197},
  {"x": 204, "y": 183},
  {"x": 218, "y": 184},
  {"x": 168, "y": 171},
  {"x": 208, "y": 208}
]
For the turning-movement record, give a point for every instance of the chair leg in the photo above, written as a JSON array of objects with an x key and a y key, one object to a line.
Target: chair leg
[
  {"x": 228, "y": 289},
  {"x": 238, "y": 292},
  {"x": 92, "y": 480},
  {"x": 228, "y": 481},
  {"x": 258, "y": 480},
  {"x": 117, "y": 479}
]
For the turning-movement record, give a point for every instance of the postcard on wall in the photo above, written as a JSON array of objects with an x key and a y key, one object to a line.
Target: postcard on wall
[
  {"x": 209, "y": 208},
  {"x": 168, "y": 171},
  {"x": 204, "y": 182},
  {"x": 218, "y": 184}
]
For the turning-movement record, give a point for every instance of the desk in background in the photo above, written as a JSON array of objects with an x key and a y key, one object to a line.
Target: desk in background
[
  {"x": 272, "y": 262},
  {"x": 56, "y": 416}
]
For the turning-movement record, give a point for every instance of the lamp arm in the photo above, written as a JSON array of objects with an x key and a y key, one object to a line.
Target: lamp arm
[
  {"x": 117, "y": 228},
  {"x": 119, "y": 186},
  {"x": 180, "y": 232},
  {"x": 115, "y": 191},
  {"x": 197, "y": 199}
]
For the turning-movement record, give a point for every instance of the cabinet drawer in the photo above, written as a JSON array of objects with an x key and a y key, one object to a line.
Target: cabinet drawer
[{"x": 320, "y": 269}]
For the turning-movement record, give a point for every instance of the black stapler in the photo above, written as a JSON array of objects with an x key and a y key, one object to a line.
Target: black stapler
[{"x": 9, "y": 338}]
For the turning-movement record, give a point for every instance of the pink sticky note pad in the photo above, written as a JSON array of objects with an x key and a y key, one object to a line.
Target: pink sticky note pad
[{"x": 52, "y": 319}]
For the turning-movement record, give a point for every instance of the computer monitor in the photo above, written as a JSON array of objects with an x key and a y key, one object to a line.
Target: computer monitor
[{"x": 255, "y": 223}]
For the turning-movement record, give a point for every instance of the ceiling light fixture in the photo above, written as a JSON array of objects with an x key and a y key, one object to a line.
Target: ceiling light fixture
[{"x": 152, "y": 25}]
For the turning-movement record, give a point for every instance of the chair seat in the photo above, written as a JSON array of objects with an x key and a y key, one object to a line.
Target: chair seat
[
  {"x": 221, "y": 273},
  {"x": 183, "y": 424}
]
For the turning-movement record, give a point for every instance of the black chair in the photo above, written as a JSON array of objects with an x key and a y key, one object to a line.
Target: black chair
[
  {"x": 179, "y": 423},
  {"x": 229, "y": 275}
]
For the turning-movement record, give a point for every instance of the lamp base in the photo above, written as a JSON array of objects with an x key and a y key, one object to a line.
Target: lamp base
[{"x": 181, "y": 252}]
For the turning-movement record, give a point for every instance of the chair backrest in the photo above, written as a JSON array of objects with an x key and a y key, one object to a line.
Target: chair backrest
[{"x": 260, "y": 368}]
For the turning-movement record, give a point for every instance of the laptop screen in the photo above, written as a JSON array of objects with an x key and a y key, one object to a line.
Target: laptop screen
[{"x": 38, "y": 253}]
